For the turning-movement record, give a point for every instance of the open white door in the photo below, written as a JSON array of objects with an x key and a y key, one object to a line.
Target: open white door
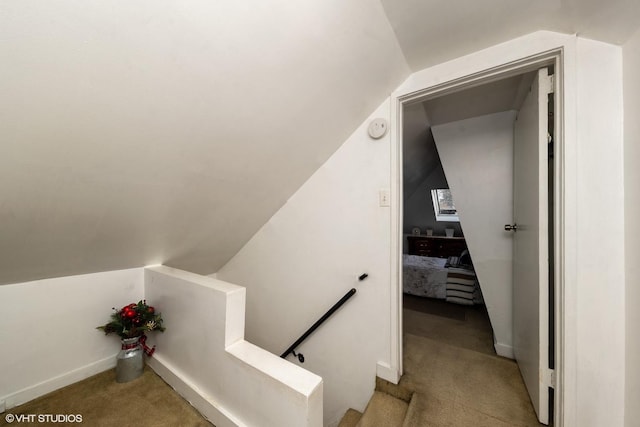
[{"x": 530, "y": 257}]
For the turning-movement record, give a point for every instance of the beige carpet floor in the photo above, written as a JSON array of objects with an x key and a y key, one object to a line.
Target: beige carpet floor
[
  {"x": 472, "y": 333},
  {"x": 145, "y": 401},
  {"x": 458, "y": 379},
  {"x": 434, "y": 306}
]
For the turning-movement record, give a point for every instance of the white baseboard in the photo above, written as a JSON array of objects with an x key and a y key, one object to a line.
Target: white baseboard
[
  {"x": 504, "y": 350},
  {"x": 29, "y": 393},
  {"x": 385, "y": 372},
  {"x": 190, "y": 392}
]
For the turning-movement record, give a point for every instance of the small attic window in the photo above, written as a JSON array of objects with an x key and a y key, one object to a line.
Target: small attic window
[{"x": 443, "y": 205}]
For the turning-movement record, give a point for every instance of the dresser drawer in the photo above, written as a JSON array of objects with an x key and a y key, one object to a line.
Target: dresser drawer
[{"x": 436, "y": 246}]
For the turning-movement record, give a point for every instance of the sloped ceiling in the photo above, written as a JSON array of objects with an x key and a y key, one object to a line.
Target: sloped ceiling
[
  {"x": 420, "y": 155},
  {"x": 435, "y": 31},
  {"x": 169, "y": 131},
  {"x": 495, "y": 97}
]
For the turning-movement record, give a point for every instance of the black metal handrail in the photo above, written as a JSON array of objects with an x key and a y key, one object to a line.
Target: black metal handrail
[{"x": 336, "y": 306}]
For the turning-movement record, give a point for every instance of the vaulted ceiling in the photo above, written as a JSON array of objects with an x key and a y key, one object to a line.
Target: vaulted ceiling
[
  {"x": 435, "y": 31},
  {"x": 169, "y": 132}
]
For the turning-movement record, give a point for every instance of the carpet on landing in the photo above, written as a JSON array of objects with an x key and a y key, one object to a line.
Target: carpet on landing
[
  {"x": 434, "y": 306},
  {"x": 145, "y": 401},
  {"x": 462, "y": 387}
]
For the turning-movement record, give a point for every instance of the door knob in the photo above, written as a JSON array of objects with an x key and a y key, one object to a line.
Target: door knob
[{"x": 510, "y": 227}]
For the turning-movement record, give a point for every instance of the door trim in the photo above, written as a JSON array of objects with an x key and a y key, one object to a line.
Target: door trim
[{"x": 562, "y": 57}]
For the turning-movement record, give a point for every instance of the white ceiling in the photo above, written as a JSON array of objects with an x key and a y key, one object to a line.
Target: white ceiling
[
  {"x": 420, "y": 156},
  {"x": 169, "y": 132},
  {"x": 495, "y": 97},
  {"x": 435, "y": 31}
]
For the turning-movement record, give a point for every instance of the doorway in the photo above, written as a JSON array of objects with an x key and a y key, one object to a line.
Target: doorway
[{"x": 552, "y": 59}]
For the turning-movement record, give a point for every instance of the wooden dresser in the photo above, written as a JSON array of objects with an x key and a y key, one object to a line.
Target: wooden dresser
[{"x": 436, "y": 246}]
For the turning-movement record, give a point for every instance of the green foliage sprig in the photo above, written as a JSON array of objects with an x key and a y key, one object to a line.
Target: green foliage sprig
[{"x": 133, "y": 320}]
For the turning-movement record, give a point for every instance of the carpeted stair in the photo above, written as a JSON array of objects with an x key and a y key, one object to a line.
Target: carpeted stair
[
  {"x": 390, "y": 406},
  {"x": 351, "y": 418}
]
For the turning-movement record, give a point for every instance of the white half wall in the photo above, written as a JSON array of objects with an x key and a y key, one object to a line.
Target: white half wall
[
  {"x": 47, "y": 331},
  {"x": 477, "y": 157},
  {"x": 309, "y": 254},
  {"x": 204, "y": 356},
  {"x": 631, "y": 82}
]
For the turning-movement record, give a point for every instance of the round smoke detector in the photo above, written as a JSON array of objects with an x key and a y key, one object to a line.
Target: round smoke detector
[{"x": 378, "y": 128}]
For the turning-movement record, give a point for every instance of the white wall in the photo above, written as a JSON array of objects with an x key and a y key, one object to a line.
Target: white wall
[
  {"x": 310, "y": 252},
  {"x": 592, "y": 366},
  {"x": 309, "y": 255},
  {"x": 47, "y": 331},
  {"x": 631, "y": 82},
  {"x": 204, "y": 356},
  {"x": 600, "y": 313},
  {"x": 477, "y": 157}
]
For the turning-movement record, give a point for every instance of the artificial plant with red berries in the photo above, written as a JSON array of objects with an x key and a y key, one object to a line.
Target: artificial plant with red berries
[{"x": 134, "y": 320}]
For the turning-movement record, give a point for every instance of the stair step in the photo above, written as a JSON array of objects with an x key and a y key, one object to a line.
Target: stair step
[
  {"x": 395, "y": 390},
  {"x": 412, "y": 417},
  {"x": 384, "y": 410},
  {"x": 351, "y": 418}
]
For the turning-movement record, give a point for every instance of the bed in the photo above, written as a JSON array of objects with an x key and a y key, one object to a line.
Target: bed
[{"x": 435, "y": 278}]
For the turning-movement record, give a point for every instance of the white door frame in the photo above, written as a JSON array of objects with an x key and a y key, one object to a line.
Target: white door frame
[{"x": 518, "y": 56}]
